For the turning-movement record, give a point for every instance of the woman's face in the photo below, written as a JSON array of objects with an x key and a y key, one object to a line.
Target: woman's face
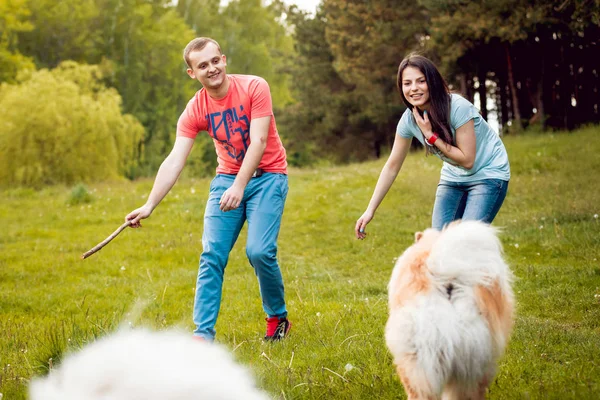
[{"x": 414, "y": 88}]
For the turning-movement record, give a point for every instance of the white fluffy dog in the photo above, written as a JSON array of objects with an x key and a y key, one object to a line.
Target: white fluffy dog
[
  {"x": 451, "y": 312},
  {"x": 144, "y": 365}
]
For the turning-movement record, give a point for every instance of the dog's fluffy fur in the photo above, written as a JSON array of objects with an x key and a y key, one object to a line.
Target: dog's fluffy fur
[
  {"x": 144, "y": 365},
  {"x": 451, "y": 312}
]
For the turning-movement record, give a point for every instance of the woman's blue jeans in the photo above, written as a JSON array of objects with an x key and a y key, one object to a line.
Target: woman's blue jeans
[
  {"x": 478, "y": 200},
  {"x": 262, "y": 206}
]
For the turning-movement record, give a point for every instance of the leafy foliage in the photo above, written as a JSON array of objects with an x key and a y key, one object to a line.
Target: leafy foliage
[
  {"x": 64, "y": 126},
  {"x": 257, "y": 44},
  {"x": 13, "y": 19},
  {"x": 310, "y": 125},
  {"x": 57, "y": 33},
  {"x": 347, "y": 57},
  {"x": 332, "y": 75},
  {"x": 79, "y": 195},
  {"x": 145, "y": 42},
  {"x": 536, "y": 52},
  {"x": 368, "y": 42}
]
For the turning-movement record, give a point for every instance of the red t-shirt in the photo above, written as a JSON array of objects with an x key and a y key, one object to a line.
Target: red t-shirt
[{"x": 227, "y": 121}]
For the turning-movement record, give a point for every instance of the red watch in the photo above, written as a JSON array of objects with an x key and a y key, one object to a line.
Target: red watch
[{"x": 432, "y": 138}]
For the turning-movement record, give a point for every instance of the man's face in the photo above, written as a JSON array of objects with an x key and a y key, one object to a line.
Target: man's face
[{"x": 208, "y": 66}]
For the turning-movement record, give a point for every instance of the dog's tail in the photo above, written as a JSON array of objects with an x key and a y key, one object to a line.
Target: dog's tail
[
  {"x": 467, "y": 264},
  {"x": 469, "y": 253}
]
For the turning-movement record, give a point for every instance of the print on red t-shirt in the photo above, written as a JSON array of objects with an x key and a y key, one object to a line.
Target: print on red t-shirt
[{"x": 228, "y": 120}]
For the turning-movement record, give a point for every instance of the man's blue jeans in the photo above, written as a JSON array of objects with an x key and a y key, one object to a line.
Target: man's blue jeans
[
  {"x": 479, "y": 200},
  {"x": 262, "y": 206}
]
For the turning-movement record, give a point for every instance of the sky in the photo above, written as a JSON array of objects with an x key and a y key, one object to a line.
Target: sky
[{"x": 306, "y": 5}]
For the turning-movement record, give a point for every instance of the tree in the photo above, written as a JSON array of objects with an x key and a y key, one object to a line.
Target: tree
[
  {"x": 252, "y": 36},
  {"x": 537, "y": 52},
  {"x": 63, "y": 30},
  {"x": 75, "y": 133},
  {"x": 145, "y": 41},
  {"x": 368, "y": 39},
  {"x": 13, "y": 19},
  {"x": 256, "y": 43}
]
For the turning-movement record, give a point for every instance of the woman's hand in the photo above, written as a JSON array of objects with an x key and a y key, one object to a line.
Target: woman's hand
[
  {"x": 361, "y": 224},
  {"x": 423, "y": 123}
]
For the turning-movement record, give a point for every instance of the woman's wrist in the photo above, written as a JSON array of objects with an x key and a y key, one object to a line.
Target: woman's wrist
[{"x": 432, "y": 138}]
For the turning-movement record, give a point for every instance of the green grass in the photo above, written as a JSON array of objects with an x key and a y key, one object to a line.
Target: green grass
[{"x": 52, "y": 302}]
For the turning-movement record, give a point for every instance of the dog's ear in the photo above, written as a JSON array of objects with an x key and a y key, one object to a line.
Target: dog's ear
[{"x": 418, "y": 236}]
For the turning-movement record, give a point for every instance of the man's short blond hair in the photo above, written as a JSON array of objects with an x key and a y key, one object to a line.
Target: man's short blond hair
[{"x": 197, "y": 45}]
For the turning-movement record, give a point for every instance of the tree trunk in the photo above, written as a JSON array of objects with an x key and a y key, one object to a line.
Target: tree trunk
[
  {"x": 540, "y": 98},
  {"x": 377, "y": 147},
  {"x": 462, "y": 80},
  {"x": 563, "y": 89},
  {"x": 502, "y": 107},
  {"x": 469, "y": 88},
  {"x": 513, "y": 89},
  {"x": 482, "y": 93},
  {"x": 498, "y": 100}
]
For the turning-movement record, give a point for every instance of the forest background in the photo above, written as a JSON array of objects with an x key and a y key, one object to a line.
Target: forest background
[{"x": 92, "y": 89}]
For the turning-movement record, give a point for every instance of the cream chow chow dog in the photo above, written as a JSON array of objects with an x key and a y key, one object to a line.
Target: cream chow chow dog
[
  {"x": 451, "y": 312},
  {"x": 144, "y": 365}
]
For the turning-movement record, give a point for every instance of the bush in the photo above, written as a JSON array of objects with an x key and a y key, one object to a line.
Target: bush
[
  {"x": 64, "y": 126},
  {"x": 80, "y": 195}
]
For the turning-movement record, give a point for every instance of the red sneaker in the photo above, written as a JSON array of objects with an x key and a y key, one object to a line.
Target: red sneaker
[
  {"x": 277, "y": 328},
  {"x": 200, "y": 339}
]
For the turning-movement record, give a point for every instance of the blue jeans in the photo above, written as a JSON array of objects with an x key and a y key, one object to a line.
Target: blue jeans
[
  {"x": 479, "y": 200},
  {"x": 262, "y": 206}
]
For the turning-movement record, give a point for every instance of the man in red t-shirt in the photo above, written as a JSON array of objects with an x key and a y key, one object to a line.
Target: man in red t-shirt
[{"x": 251, "y": 182}]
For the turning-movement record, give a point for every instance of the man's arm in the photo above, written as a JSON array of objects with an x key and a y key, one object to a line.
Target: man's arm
[
  {"x": 167, "y": 175},
  {"x": 259, "y": 132}
]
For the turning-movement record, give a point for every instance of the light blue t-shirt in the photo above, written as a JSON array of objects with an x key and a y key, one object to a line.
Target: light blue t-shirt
[{"x": 491, "y": 159}]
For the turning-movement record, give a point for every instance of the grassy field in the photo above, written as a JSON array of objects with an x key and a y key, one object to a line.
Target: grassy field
[{"x": 52, "y": 302}]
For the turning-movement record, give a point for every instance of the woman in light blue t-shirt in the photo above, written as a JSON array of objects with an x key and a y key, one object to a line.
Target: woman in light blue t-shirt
[{"x": 475, "y": 172}]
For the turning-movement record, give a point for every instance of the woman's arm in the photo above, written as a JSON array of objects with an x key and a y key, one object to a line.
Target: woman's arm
[
  {"x": 463, "y": 153},
  {"x": 386, "y": 178}
]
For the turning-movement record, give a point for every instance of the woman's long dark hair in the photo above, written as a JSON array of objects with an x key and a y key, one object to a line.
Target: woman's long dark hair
[{"x": 439, "y": 95}]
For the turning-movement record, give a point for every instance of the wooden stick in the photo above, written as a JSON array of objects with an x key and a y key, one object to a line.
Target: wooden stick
[{"x": 100, "y": 245}]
